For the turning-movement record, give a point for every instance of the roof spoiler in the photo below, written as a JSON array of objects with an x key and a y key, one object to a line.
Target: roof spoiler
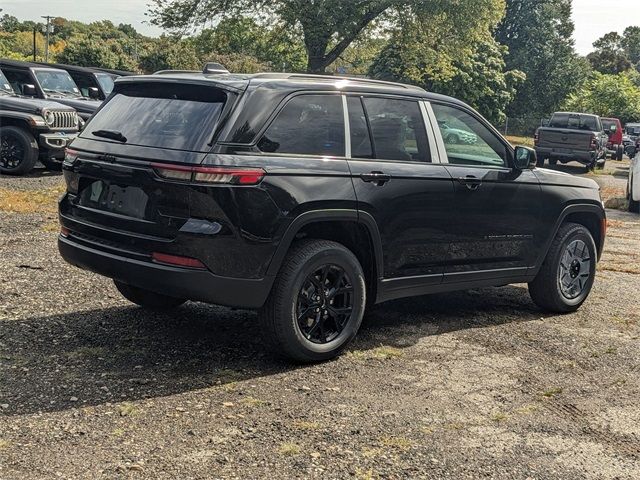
[{"x": 213, "y": 67}]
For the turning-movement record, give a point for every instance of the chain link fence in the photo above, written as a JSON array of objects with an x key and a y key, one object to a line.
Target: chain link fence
[{"x": 520, "y": 126}]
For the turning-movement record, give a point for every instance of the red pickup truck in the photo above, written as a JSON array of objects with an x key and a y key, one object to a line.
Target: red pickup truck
[{"x": 613, "y": 128}]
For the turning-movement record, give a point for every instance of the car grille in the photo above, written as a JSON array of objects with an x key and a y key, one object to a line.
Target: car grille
[{"x": 65, "y": 120}]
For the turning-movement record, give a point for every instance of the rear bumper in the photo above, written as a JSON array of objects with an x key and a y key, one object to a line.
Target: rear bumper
[
  {"x": 579, "y": 156},
  {"x": 192, "y": 284}
]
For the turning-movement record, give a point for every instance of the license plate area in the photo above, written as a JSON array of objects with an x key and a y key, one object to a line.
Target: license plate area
[
  {"x": 127, "y": 200},
  {"x": 562, "y": 150}
]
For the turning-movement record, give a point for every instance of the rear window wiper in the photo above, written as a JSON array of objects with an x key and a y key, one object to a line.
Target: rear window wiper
[{"x": 112, "y": 134}]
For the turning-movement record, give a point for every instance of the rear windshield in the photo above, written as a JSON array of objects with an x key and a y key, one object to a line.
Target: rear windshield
[
  {"x": 163, "y": 115},
  {"x": 574, "y": 122},
  {"x": 608, "y": 124}
]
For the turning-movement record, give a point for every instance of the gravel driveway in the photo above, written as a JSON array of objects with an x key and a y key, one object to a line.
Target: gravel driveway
[{"x": 463, "y": 385}]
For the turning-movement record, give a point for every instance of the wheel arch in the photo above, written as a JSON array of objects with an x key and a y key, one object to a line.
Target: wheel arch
[
  {"x": 357, "y": 231},
  {"x": 591, "y": 216}
]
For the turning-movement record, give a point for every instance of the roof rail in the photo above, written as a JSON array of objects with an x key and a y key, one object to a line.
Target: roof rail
[{"x": 308, "y": 76}]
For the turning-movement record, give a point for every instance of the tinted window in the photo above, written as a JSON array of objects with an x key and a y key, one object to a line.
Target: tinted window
[
  {"x": 18, "y": 79},
  {"x": 466, "y": 140},
  {"x": 397, "y": 129},
  {"x": 360, "y": 138},
  {"x": 106, "y": 82},
  {"x": 83, "y": 82},
  {"x": 307, "y": 125},
  {"x": 574, "y": 122},
  {"x": 5, "y": 86},
  {"x": 181, "y": 117}
]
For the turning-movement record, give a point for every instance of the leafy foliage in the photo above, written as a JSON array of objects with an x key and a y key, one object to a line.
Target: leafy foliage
[
  {"x": 615, "y": 53},
  {"x": 538, "y": 35},
  {"x": 608, "y": 96}
]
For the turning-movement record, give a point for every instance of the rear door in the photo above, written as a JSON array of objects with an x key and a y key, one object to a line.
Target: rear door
[
  {"x": 495, "y": 215},
  {"x": 397, "y": 182}
]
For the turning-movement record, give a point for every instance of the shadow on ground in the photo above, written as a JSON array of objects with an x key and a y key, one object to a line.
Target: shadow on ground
[{"x": 124, "y": 353}]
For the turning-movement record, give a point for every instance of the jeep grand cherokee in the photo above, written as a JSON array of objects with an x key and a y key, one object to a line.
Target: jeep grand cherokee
[{"x": 309, "y": 197}]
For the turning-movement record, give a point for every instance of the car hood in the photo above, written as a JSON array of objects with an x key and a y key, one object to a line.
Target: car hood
[
  {"x": 83, "y": 106},
  {"x": 30, "y": 105},
  {"x": 554, "y": 177}
]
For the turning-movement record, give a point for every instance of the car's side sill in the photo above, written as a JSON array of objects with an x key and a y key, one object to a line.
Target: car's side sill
[{"x": 393, "y": 289}]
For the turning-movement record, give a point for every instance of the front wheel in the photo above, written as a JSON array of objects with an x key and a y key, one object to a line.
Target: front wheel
[
  {"x": 568, "y": 272},
  {"x": 317, "y": 302},
  {"x": 146, "y": 298},
  {"x": 620, "y": 153},
  {"x": 18, "y": 151},
  {"x": 634, "y": 205}
]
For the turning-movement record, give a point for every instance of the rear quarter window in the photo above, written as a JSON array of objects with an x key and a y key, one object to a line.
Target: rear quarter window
[{"x": 162, "y": 115}]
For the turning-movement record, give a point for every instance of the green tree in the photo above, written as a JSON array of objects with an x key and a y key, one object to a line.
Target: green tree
[
  {"x": 614, "y": 96},
  {"x": 328, "y": 27},
  {"x": 539, "y": 37},
  {"x": 631, "y": 45},
  {"x": 476, "y": 75},
  {"x": 609, "y": 55},
  {"x": 170, "y": 53}
]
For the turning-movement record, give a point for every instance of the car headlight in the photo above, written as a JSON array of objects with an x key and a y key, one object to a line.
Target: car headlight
[{"x": 49, "y": 117}]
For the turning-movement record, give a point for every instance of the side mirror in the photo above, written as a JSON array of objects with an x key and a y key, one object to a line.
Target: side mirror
[
  {"x": 525, "y": 158},
  {"x": 94, "y": 93},
  {"x": 608, "y": 132},
  {"x": 613, "y": 129},
  {"x": 29, "y": 90}
]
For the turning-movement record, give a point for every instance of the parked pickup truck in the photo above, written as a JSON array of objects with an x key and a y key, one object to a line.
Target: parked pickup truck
[{"x": 572, "y": 136}]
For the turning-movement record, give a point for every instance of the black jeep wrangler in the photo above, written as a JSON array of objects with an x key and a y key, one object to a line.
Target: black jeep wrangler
[
  {"x": 34, "y": 80},
  {"x": 32, "y": 129},
  {"x": 309, "y": 198}
]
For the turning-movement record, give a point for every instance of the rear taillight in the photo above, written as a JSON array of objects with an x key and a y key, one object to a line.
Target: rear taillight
[
  {"x": 176, "y": 260},
  {"x": 536, "y": 137},
  {"x": 594, "y": 142},
  {"x": 200, "y": 174},
  {"x": 70, "y": 156}
]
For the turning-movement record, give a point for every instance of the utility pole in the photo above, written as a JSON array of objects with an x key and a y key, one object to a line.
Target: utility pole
[
  {"x": 34, "y": 42},
  {"x": 48, "y": 28}
]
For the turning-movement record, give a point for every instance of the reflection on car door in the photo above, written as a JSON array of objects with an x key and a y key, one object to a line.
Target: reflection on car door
[
  {"x": 496, "y": 229},
  {"x": 397, "y": 183}
]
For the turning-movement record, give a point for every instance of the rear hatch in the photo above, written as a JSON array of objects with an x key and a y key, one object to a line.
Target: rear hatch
[{"x": 116, "y": 196}]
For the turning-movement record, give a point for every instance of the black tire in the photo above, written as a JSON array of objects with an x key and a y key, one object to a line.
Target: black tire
[
  {"x": 540, "y": 162},
  {"x": 548, "y": 289},
  {"x": 147, "y": 299},
  {"x": 591, "y": 167},
  {"x": 553, "y": 161},
  {"x": 18, "y": 151},
  {"x": 620, "y": 153},
  {"x": 282, "y": 317},
  {"x": 51, "y": 165}
]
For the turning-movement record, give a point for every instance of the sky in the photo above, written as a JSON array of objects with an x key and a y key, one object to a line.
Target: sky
[{"x": 593, "y": 18}]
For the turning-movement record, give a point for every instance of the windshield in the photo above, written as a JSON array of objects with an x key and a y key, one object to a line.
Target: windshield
[
  {"x": 5, "y": 86},
  {"x": 633, "y": 129},
  {"x": 106, "y": 82},
  {"x": 56, "y": 82},
  {"x": 162, "y": 115}
]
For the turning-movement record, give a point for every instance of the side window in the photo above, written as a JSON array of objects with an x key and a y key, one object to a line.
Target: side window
[
  {"x": 82, "y": 82},
  {"x": 18, "y": 79},
  {"x": 307, "y": 125},
  {"x": 467, "y": 140},
  {"x": 397, "y": 129},
  {"x": 360, "y": 138}
]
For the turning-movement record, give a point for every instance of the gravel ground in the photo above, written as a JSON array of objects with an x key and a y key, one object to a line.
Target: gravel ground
[{"x": 476, "y": 384}]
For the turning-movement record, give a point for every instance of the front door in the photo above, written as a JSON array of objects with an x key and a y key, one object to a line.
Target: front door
[
  {"x": 496, "y": 230},
  {"x": 398, "y": 184}
]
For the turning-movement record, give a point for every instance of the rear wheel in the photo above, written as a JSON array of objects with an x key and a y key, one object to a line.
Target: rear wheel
[
  {"x": 567, "y": 274},
  {"x": 634, "y": 205},
  {"x": 317, "y": 302},
  {"x": 553, "y": 161},
  {"x": 147, "y": 298},
  {"x": 18, "y": 151},
  {"x": 51, "y": 164},
  {"x": 620, "y": 152},
  {"x": 540, "y": 162}
]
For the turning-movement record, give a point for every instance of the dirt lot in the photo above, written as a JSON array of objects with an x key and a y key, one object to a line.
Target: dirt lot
[{"x": 476, "y": 384}]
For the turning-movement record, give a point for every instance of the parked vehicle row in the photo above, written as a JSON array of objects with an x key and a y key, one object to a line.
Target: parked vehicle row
[
  {"x": 309, "y": 197},
  {"x": 42, "y": 108}
]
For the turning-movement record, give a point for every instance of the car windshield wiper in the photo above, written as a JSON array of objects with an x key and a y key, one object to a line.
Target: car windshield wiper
[
  {"x": 112, "y": 134},
  {"x": 64, "y": 93}
]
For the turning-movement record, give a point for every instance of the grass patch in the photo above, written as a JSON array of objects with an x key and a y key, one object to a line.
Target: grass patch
[
  {"x": 38, "y": 201},
  {"x": 302, "y": 425},
  {"x": 252, "y": 402},
  {"x": 524, "y": 141},
  {"x": 118, "y": 432},
  {"x": 127, "y": 409},
  {"x": 398, "y": 443},
  {"x": 362, "y": 474},
  {"x": 552, "y": 392},
  {"x": 499, "y": 417},
  {"x": 289, "y": 449},
  {"x": 4, "y": 444},
  {"x": 381, "y": 352}
]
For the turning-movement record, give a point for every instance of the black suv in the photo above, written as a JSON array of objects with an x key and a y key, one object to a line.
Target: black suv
[
  {"x": 32, "y": 129},
  {"x": 311, "y": 197},
  {"x": 34, "y": 80}
]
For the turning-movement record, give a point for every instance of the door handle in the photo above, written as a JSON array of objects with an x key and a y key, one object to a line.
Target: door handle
[
  {"x": 471, "y": 182},
  {"x": 379, "y": 178}
]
